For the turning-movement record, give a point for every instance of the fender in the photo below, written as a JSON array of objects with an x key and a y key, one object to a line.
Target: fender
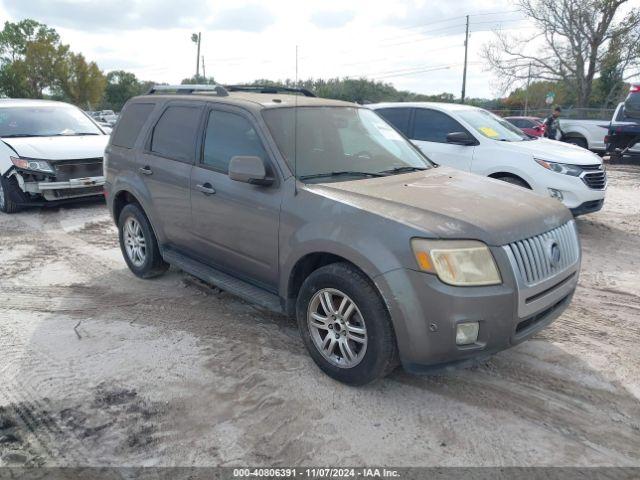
[
  {"x": 5, "y": 162},
  {"x": 136, "y": 187}
]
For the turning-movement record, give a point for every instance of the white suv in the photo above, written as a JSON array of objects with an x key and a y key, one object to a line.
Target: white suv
[
  {"x": 50, "y": 152},
  {"x": 475, "y": 140}
]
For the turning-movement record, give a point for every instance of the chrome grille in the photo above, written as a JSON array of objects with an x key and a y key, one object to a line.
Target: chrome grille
[{"x": 533, "y": 256}]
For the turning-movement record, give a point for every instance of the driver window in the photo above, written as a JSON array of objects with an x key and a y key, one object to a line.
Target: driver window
[{"x": 434, "y": 126}]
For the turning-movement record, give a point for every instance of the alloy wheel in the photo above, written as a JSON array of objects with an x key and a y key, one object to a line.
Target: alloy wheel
[
  {"x": 134, "y": 242},
  {"x": 337, "y": 328}
]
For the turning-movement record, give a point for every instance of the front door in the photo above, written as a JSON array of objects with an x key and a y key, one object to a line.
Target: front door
[
  {"x": 429, "y": 133},
  {"x": 235, "y": 224}
]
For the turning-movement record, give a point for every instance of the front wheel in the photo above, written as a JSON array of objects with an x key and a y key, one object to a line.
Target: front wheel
[
  {"x": 345, "y": 325},
  {"x": 138, "y": 243},
  {"x": 7, "y": 205}
]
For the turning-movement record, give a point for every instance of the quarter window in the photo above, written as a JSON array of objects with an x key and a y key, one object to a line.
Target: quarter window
[
  {"x": 398, "y": 117},
  {"x": 433, "y": 126},
  {"x": 174, "y": 136},
  {"x": 229, "y": 135},
  {"x": 129, "y": 126}
]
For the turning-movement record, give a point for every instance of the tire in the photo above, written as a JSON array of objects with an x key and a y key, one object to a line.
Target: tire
[
  {"x": 513, "y": 181},
  {"x": 375, "y": 353},
  {"x": 581, "y": 142},
  {"x": 138, "y": 243},
  {"x": 7, "y": 205}
]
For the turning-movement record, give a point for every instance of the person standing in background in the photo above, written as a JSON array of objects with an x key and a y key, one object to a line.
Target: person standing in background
[{"x": 552, "y": 124}]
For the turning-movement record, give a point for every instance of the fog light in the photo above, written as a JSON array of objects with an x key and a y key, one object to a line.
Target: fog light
[
  {"x": 555, "y": 193},
  {"x": 467, "y": 333}
]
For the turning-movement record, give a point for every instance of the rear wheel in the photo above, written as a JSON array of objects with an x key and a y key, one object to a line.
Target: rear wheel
[
  {"x": 7, "y": 205},
  {"x": 514, "y": 181},
  {"x": 139, "y": 244},
  {"x": 345, "y": 325},
  {"x": 581, "y": 142}
]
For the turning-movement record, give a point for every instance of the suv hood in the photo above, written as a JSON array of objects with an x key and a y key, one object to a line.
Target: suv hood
[
  {"x": 554, "y": 151},
  {"x": 447, "y": 203},
  {"x": 59, "y": 148}
]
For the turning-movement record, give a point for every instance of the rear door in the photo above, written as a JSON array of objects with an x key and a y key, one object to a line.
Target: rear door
[
  {"x": 165, "y": 168},
  {"x": 429, "y": 132},
  {"x": 235, "y": 224}
]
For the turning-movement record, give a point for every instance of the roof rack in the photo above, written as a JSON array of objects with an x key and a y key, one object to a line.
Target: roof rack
[
  {"x": 218, "y": 90},
  {"x": 268, "y": 89}
]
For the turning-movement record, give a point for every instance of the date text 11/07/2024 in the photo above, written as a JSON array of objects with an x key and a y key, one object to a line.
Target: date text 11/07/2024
[{"x": 315, "y": 473}]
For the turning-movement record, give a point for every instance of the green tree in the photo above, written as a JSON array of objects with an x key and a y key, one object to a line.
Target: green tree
[
  {"x": 361, "y": 90},
  {"x": 121, "y": 86},
  {"x": 31, "y": 58},
  {"x": 81, "y": 83},
  {"x": 198, "y": 80}
]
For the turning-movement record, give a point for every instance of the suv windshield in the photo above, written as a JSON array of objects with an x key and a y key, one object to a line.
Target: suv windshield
[
  {"x": 340, "y": 142},
  {"x": 491, "y": 126},
  {"x": 45, "y": 121}
]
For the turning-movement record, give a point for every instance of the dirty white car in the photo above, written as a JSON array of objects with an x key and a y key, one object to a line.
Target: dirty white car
[
  {"x": 475, "y": 140},
  {"x": 50, "y": 152}
]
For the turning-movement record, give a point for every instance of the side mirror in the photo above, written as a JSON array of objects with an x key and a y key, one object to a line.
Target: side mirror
[
  {"x": 461, "y": 138},
  {"x": 249, "y": 170}
]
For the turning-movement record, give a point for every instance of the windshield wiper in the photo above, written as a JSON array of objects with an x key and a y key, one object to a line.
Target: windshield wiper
[
  {"x": 405, "y": 169},
  {"x": 337, "y": 174},
  {"x": 81, "y": 134},
  {"x": 22, "y": 135}
]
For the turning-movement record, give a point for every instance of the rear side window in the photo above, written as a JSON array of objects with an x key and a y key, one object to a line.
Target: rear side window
[
  {"x": 433, "y": 126},
  {"x": 174, "y": 136},
  {"x": 398, "y": 117},
  {"x": 129, "y": 126},
  {"x": 228, "y": 135}
]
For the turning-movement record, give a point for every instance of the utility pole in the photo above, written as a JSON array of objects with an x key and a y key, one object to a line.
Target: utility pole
[
  {"x": 526, "y": 95},
  {"x": 204, "y": 73},
  {"x": 195, "y": 38},
  {"x": 464, "y": 72}
]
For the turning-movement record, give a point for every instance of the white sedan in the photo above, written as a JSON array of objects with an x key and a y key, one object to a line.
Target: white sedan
[
  {"x": 49, "y": 152},
  {"x": 475, "y": 140}
]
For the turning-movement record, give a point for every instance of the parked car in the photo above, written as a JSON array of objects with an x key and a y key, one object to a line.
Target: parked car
[
  {"x": 477, "y": 141},
  {"x": 532, "y": 126},
  {"x": 319, "y": 209},
  {"x": 587, "y": 134},
  {"x": 108, "y": 117},
  {"x": 623, "y": 136},
  {"x": 49, "y": 152},
  {"x": 632, "y": 102}
]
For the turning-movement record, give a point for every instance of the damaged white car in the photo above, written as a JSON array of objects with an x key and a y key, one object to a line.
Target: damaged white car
[{"x": 50, "y": 152}]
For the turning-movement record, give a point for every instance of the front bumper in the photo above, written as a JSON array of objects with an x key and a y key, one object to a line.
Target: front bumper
[
  {"x": 425, "y": 313},
  {"x": 69, "y": 189},
  {"x": 588, "y": 207},
  {"x": 40, "y": 187},
  {"x": 575, "y": 190}
]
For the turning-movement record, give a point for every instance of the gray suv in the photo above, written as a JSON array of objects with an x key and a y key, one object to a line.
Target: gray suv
[{"x": 321, "y": 210}]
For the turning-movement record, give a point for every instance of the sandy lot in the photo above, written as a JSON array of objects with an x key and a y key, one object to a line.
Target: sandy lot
[{"x": 98, "y": 367}]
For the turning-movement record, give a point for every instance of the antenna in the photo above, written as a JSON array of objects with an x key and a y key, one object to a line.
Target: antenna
[{"x": 295, "y": 134}]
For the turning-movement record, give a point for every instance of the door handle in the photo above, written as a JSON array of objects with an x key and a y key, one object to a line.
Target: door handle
[
  {"x": 146, "y": 170},
  {"x": 207, "y": 189}
]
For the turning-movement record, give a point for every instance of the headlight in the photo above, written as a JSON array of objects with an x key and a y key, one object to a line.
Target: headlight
[
  {"x": 572, "y": 170},
  {"x": 457, "y": 262},
  {"x": 30, "y": 164}
]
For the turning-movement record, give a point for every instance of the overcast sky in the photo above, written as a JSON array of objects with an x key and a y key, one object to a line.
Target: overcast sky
[{"x": 416, "y": 45}]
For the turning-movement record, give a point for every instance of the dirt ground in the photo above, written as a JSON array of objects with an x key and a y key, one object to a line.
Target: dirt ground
[{"x": 98, "y": 367}]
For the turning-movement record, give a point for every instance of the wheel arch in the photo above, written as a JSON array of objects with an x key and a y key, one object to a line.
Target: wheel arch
[
  {"x": 498, "y": 175},
  {"x": 306, "y": 265}
]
